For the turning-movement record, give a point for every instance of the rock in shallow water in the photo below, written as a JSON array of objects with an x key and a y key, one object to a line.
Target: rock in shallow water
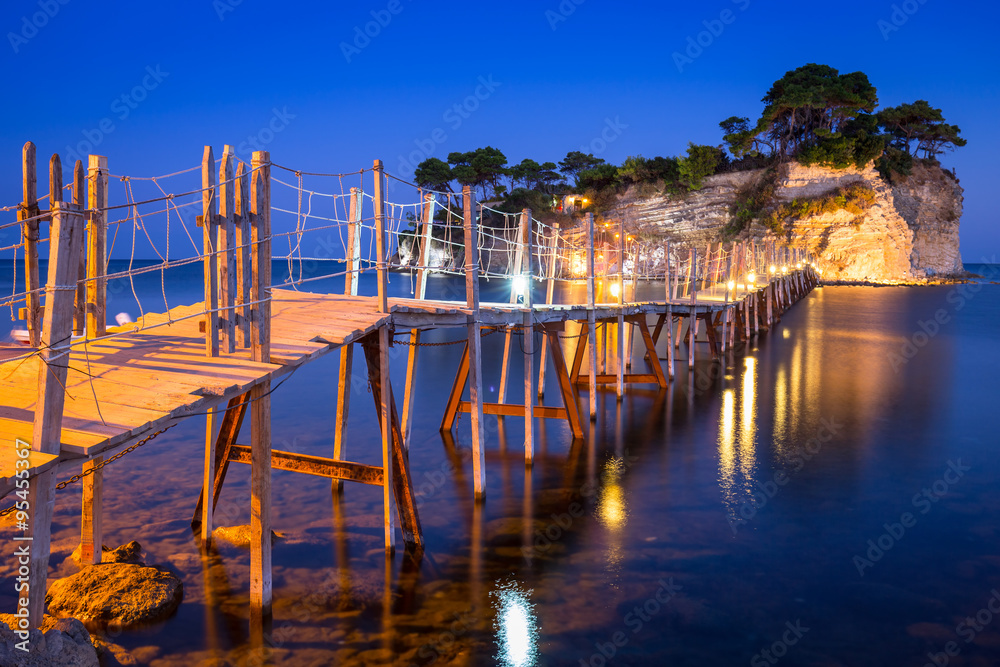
[
  {"x": 62, "y": 642},
  {"x": 124, "y": 594},
  {"x": 127, "y": 553}
]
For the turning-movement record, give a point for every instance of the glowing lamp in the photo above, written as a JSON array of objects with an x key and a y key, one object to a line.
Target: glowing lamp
[
  {"x": 784, "y": 269},
  {"x": 730, "y": 286},
  {"x": 772, "y": 268},
  {"x": 520, "y": 284},
  {"x": 751, "y": 277},
  {"x": 615, "y": 290}
]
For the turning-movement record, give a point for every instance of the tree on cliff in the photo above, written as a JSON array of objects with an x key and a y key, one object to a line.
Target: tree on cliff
[
  {"x": 919, "y": 127},
  {"x": 434, "y": 174},
  {"x": 479, "y": 168},
  {"x": 577, "y": 162}
]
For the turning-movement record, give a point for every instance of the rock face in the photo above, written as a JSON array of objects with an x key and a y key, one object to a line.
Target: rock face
[
  {"x": 930, "y": 200},
  {"x": 911, "y": 231},
  {"x": 124, "y": 594},
  {"x": 61, "y": 642}
]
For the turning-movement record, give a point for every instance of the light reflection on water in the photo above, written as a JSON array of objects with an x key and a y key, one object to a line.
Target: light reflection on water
[{"x": 515, "y": 626}]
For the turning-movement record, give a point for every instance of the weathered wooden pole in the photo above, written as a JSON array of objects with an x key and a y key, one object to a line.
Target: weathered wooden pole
[
  {"x": 28, "y": 213},
  {"x": 591, "y": 319},
  {"x": 227, "y": 251},
  {"x": 475, "y": 342},
  {"x": 550, "y": 289},
  {"x": 260, "y": 411},
  {"x": 528, "y": 338},
  {"x": 725, "y": 311},
  {"x": 517, "y": 279},
  {"x": 79, "y": 197},
  {"x": 65, "y": 237},
  {"x": 208, "y": 223},
  {"x": 241, "y": 228},
  {"x": 670, "y": 314},
  {"x": 208, "y": 474},
  {"x": 97, "y": 246},
  {"x": 693, "y": 320},
  {"x": 386, "y": 412},
  {"x": 423, "y": 261},
  {"x": 382, "y": 260},
  {"x": 91, "y": 524},
  {"x": 352, "y": 265}
]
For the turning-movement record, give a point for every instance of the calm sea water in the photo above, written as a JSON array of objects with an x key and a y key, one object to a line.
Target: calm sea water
[{"x": 827, "y": 498}]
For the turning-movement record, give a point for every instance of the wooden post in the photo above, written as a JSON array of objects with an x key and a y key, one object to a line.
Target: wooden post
[
  {"x": 91, "y": 526},
  {"x": 28, "y": 213},
  {"x": 620, "y": 365},
  {"x": 670, "y": 315},
  {"x": 352, "y": 266},
  {"x": 517, "y": 275},
  {"x": 693, "y": 319},
  {"x": 591, "y": 319},
  {"x": 97, "y": 246},
  {"x": 423, "y": 260},
  {"x": 260, "y": 414},
  {"x": 475, "y": 343},
  {"x": 549, "y": 295},
  {"x": 66, "y": 235},
  {"x": 208, "y": 223},
  {"x": 382, "y": 260},
  {"x": 243, "y": 250},
  {"x": 79, "y": 198},
  {"x": 227, "y": 252},
  {"x": 529, "y": 340},
  {"x": 208, "y": 487},
  {"x": 385, "y": 408}
]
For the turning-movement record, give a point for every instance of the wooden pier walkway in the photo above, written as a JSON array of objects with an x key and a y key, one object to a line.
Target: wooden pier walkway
[{"x": 82, "y": 392}]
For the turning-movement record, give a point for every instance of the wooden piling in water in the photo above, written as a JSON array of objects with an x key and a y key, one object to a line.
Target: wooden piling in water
[
  {"x": 591, "y": 319},
  {"x": 473, "y": 325},
  {"x": 66, "y": 235},
  {"x": 528, "y": 338},
  {"x": 352, "y": 270},
  {"x": 423, "y": 261}
]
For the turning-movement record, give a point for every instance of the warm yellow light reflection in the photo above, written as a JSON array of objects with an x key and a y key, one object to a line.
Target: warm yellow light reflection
[
  {"x": 612, "y": 506},
  {"x": 515, "y": 625},
  {"x": 785, "y": 333},
  {"x": 749, "y": 397},
  {"x": 730, "y": 286}
]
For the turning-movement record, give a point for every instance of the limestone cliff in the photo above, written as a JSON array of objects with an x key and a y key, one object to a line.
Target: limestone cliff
[{"x": 910, "y": 231}]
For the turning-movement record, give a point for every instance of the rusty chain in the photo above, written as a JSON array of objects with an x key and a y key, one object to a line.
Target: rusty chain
[{"x": 90, "y": 471}]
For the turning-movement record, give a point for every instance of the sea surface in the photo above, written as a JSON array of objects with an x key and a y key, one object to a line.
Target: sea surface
[{"x": 830, "y": 495}]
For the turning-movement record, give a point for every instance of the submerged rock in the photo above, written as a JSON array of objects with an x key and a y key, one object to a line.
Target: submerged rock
[
  {"x": 124, "y": 594},
  {"x": 127, "y": 553},
  {"x": 238, "y": 536},
  {"x": 112, "y": 655},
  {"x": 60, "y": 642}
]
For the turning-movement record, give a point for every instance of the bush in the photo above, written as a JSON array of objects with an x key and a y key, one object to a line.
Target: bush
[
  {"x": 751, "y": 200},
  {"x": 894, "y": 162},
  {"x": 699, "y": 163},
  {"x": 855, "y": 199},
  {"x": 521, "y": 198}
]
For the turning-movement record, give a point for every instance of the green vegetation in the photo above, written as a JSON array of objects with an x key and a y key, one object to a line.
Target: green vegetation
[
  {"x": 813, "y": 115},
  {"x": 855, "y": 199}
]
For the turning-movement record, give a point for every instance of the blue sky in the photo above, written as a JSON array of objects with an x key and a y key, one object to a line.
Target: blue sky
[{"x": 533, "y": 79}]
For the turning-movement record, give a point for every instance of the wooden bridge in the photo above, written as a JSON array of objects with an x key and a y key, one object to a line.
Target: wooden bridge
[{"x": 81, "y": 392}]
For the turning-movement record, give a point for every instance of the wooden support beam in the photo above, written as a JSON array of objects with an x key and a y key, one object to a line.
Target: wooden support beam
[
  {"x": 352, "y": 277},
  {"x": 399, "y": 480},
  {"x": 471, "y": 241},
  {"x": 381, "y": 258},
  {"x": 244, "y": 268},
  {"x": 229, "y": 431},
  {"x": 652, "y": 359},
  {"x": 208, "y": 485},
  {"x": 79, "y": 197},
  {"x": 549, "y": 295},
  {"x": 457, "y": 388},
  {"x": 314, "y": 465},
  {"x": 66, "y": 235},
  {"x": 591, "y": 319},
  {"x": 97, "y": 246},
  {"x": 91, "y": 526},
  {"x": 28, "y": 213},
  {"x": 226, "y": 242},
  {"x": 210, "y": 246},
  {"x": 260, "y": 420},
  {"x": 620, "y": 329},
  {"x": 528, "y": 337},
  {"x": 385, "y": 422},
  {"x": 509, "y": 410},
  {"x": 565, "y": 385},
  {"x": 423, "y": 260}
]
